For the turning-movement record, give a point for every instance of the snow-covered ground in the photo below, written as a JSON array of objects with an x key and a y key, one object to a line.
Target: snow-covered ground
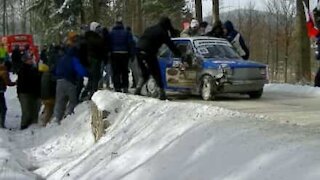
[{"x": 150, "y": 139}]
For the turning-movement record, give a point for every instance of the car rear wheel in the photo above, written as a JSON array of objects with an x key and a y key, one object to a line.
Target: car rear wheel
[
  {"x": 255, "y": 94},
  {"x": 207, "y": 88}
]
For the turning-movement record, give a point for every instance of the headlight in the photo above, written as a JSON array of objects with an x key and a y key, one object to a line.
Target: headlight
[
  {"x": 263, "y": 71},
  {"x": 225, "y": 70}
]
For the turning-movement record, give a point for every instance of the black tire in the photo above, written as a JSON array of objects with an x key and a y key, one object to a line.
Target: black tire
[
  {"x": 207, "y": 88},
  {"x": 256, "y": 94}
]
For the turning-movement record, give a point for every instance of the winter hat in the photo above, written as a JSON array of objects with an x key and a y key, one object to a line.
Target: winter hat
[
  {"x": 165, "y": 22},
  {"x": 194, "y": 23},
  {"x": 94, "y": 26}
]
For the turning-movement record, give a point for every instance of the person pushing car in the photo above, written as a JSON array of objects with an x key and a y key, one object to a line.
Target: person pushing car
[{"x": 148, "y": 46}]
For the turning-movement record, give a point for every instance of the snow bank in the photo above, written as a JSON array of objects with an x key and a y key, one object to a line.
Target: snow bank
[
  {"x": 13, "y": 162},
  {"x": 154, "y": 140},
  {"x": 43, "y": 150},
  {"x": 298, "y": 90},
  {"x": 150, "y": 140}
]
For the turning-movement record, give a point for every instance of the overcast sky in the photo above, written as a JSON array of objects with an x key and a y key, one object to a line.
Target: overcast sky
[{"x": 234, "y": 4}]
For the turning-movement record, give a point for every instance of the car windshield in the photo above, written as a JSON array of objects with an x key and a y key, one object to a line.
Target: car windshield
[{"x": 216, "y": 50}]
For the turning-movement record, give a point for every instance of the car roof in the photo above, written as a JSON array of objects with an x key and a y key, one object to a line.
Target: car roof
[
  {"x": 199, "y": 38},
  {"x": 204, "y": 38}
]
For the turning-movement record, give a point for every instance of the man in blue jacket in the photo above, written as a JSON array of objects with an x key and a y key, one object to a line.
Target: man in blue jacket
[
  {"x": 235, "y": 38},
  {"x": 122, "y": 47},
  {"x": 67, "y": 72}
]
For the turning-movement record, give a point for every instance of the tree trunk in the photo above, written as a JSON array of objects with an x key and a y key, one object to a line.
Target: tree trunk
[
  {"x": 139, "y": 17},
  {"x": 4, "y": 17},
  {"x": 24, "y": 16},
  {"x": 303, "y": 71},
  {"x": 199, "y": 10},
  {"x": 215, "y": 10},
  {"x": 13, "y": 23},
  {"x": 96, "y": 10},
  {"x": 82, "y": 13}
]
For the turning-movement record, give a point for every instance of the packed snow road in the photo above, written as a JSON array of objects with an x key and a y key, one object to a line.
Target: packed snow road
[{"x": 282, "y": 102}]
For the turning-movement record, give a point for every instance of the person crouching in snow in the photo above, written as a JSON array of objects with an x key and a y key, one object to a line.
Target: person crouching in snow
[
  {"x": 67, "y": 72},
  {"x": 4, "y": 82}
]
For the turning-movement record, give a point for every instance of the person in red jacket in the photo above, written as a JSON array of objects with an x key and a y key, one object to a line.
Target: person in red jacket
[{"x": 4, "y": 82}]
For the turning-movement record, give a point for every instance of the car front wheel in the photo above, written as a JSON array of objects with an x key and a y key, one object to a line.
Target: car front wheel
[
  {"x": 207, "y": 88},
  {"x": 255, "y": 94}
]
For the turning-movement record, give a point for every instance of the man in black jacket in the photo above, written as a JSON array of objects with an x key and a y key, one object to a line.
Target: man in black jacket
[
  {"x": 28, "y": 90},
  {"x": 148, "y": 46},
  {"x": 96, "y": 53},
  {"x": 16, "y": 59}
]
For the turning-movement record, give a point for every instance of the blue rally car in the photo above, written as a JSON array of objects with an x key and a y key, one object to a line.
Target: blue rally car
[{"x": 208, "y": 66}]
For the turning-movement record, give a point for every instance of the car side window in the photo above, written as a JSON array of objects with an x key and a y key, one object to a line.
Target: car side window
[{"x": 187, "y": 54}]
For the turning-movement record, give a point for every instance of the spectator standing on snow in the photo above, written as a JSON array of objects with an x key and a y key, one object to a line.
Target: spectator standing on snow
[
  {"x": 148, "y": 46},
  {"x": 106, "y": 65},
  {"x": 28, "y": 90},
  {"x": 121, "y": 50},
  {"x": 67, "y": 72},
  {"x": 95, "y": 49},
  {"x": 217, "y": 30},
  {"x": 48, "y": 92},
  {"x": 4, "y": 57},
  {"x": 16, "y": 59},
  {"x": 44, "y": 54},
  {"x": 203, "y": 28},
  {"x": 235, "y": 38},
  {"x": 27, "y": 55},
  {"x": 4, "y": 82},
  {"x": 133, "y": 65},
  {"x": 193, "y": 30}
]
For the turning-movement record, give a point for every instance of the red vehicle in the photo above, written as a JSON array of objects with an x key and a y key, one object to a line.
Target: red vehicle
[{"x": 20, "y": 39}]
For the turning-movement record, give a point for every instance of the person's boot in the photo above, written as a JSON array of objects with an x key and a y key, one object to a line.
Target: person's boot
[
  {"x": 138, "y": 91},
  {"x": 125, "y": 90},
  {"x": 163, "y": 95},
  {"x": 2, "y": 121}
]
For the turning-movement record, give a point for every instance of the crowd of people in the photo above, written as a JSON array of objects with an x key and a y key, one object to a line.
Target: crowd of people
[{"x": 103, "y": 56}]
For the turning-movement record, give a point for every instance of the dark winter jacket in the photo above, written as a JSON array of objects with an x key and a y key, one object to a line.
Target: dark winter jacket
[
  {"x": 29, "y": 80},
  {"x": 16, "y": 56},
  {"x": 154, "y": 36},
  {"x": 236, "y": 40},
  {"x": 95, "y": 45},
  {"x": 121, "y": 40},
  {"x": 69, "y": 67},
  {"x": 217, "y": 30},
  {"x": 55, "y": 53},
  {"x": 48, "y": 86},
  {"x": 107, "y": 44},
  {"x": 4, "y": 79},
  {"x": 43, "y": 56}
]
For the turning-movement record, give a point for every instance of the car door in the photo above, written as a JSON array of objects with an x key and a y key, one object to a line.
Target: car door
[{"x": 182, "y": 73}]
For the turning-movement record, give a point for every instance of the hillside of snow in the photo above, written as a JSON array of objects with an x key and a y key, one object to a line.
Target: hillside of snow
[{"x": 154, "y": 140}]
